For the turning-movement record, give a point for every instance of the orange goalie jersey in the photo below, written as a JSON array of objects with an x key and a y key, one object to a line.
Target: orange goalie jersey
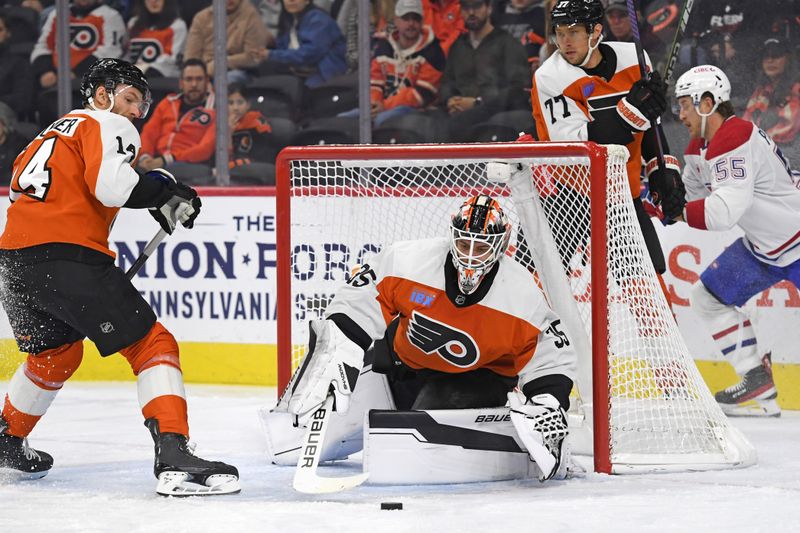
[
  {"x": 565, "y": 98},
  {"x": 505, "y": 326},
  {"x": 70, "y": 181}
]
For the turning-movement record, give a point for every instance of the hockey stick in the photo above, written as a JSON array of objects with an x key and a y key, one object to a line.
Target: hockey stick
[
  {"x": 672, "y": 58},
  {"x": 149, "y": 248},
  {"x": 634, "y": 18},
  {"x": 306, "y": 479}
]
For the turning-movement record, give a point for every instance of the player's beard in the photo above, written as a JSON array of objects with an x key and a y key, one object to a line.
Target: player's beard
[{"x": 475, "y": 24}]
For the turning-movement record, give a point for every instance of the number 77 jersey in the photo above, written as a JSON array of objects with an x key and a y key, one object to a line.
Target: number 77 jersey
[{"x": 70, "y": 181}]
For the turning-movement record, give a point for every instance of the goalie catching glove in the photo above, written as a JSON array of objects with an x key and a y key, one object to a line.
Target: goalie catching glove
[
  {"x": 541, "y": 424},
  {"x": 332, "y": 364}
]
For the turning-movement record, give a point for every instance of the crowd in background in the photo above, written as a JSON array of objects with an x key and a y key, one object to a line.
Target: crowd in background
[{"x": 441, "y": 70}]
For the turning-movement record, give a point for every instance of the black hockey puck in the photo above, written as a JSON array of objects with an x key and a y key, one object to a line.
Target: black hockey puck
[{"x": 391, "y": 506}]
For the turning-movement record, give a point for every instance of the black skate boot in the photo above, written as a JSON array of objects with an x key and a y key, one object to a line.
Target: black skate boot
[
  {"x": 18, "y": 460},
  {"x": 755, "y": 395},
  {"x": 180, "y": 473}
]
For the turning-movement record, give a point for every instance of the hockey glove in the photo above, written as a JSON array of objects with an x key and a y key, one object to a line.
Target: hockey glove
[
  {"x": 645, "y": 102},
  {"x": 180, "y": 202},
  {"x": 541, "y": 425},
  {"x": 332, "y": 365},
  {"x": 666, "y": 186}
]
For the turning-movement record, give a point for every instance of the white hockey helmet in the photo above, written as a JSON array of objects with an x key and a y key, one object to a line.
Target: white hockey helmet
[
  {"x": 704, "y": 79},
  {"x": 480, "y": 233}
]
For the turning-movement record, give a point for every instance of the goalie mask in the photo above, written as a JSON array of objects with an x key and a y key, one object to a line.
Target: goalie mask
[{"x": 480, "y": 233}]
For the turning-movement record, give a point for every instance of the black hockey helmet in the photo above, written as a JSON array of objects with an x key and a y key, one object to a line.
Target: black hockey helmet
[
  {"x": 569, "y": 12},
  {"x": 110, "y": 72}
]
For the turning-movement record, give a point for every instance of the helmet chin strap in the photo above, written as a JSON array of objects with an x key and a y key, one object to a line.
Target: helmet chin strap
[
  {"x": 110, "y": 105},
  {"x": 591, "y": 49},
  {"x": 704, "y": 117}
]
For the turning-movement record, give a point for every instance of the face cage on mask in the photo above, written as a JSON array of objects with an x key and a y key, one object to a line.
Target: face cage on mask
[
  {"x": 144, "y": 105},
  {"x": 472, "y": 267}
]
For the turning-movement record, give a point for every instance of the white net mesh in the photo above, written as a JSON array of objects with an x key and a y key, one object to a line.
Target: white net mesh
[{"x": 660, "y": 410}]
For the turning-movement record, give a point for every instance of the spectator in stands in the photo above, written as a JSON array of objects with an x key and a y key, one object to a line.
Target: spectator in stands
[
  {"x": 270, "y": 12},
  {"x": 157, "y": 38},
  {"x": 246, "y": 35},
  {"x": 96, "y": 31},
  {"x": 774, "y": 106},
  {"x": 444, "y": 16},
  {"x": 310, "y": 44},
  {"x": 16, "y": 78},
  {"x": 524, "y": 20},
  {"x": 250, "y": 139},
  {"x": 11, "y": 143},
  {"x": 406, "y": 67},
  {"x": 549, "y": 46},
  {"x": 180, "y": 136},
  {"x": 381, "y": 18},
  {"x": 485, "y": 73},
  {"x": 618, "y": 28}
]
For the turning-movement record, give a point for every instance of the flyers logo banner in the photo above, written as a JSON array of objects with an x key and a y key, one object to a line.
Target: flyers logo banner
[{"x": 453, "y": 345}]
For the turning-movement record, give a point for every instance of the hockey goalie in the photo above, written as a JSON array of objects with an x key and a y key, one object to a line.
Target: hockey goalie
[{"x": 442, "y": 359}]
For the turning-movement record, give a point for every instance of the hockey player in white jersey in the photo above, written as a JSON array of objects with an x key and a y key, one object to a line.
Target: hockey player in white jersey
[
  {"x": 452, "y": 324},
  {"x": 736, "y": 175}
]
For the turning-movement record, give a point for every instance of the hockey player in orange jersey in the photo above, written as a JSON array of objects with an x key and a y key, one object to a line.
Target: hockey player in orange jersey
[
  {"x": 593, "y": 91},
  {"x": 456, "y": 324},
  {"x": 60, "y": 284}
]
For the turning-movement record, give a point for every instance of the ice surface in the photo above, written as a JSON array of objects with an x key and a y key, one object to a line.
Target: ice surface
[{"x": 102, "y": 481}]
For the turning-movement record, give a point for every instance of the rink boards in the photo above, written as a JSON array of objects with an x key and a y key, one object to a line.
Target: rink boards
[{"x": 214, "y": 288}]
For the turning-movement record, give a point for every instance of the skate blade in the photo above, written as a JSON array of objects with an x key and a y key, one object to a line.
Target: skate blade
[
  {"x": 753, "y": 408},
  {"x": 180, "y": 484},
  {"x": 11, "y": 475}
]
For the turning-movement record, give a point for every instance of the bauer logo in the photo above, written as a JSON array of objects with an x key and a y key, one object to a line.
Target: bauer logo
[{"x": 454, "y": 346}]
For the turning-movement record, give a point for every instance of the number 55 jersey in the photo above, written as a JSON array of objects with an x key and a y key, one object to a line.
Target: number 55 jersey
[
  {"x": 505, "y": 326},
  {"x": 70, "y": 181}
]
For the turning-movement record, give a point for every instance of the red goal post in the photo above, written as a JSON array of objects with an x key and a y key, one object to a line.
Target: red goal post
[{"x": 574, "y": 228}]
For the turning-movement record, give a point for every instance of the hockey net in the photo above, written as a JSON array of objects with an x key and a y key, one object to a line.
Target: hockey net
[{"x": 574, "y": 228}]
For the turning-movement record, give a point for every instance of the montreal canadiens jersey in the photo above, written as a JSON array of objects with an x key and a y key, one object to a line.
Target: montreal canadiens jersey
[
  {"x": 70, "y": 181},
  {"x": 742, "y": 178},
  {"x": 511, "y": 330},
  {"x": 565, "y": 99}
]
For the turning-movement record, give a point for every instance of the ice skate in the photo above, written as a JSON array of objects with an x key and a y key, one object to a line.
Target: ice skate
[
  {"x": 180, "y": 473},
  {"x": 755, "y": 395},
  {"x": 20, "y": 461}
]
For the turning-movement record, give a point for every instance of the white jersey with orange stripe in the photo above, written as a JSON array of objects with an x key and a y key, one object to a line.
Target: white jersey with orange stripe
[
  {"x": 506, "y": 326},
  {"x": 741, "y": 178}
]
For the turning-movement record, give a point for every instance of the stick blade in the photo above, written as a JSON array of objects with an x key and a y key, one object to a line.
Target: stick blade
[{"x": 312, "y": 484}]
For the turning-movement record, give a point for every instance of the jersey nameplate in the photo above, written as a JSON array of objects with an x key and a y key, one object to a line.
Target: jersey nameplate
[{"x": 64, "y": 126}]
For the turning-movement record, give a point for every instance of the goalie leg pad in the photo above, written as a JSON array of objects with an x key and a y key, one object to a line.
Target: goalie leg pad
[
  {"x": 444, "y": 446},
  {"x": 345, "y": 434}
]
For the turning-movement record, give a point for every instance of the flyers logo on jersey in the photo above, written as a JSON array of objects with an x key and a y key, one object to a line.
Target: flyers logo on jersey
[
  {"x": 83, "y": 36},
  {"x": 453, "y": 345},
  {"x": 147, "y": 50}
]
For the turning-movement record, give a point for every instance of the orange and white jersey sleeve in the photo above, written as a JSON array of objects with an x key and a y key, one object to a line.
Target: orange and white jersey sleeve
[
  {"x": 108, "y": 163},
  {"x": 506, "y": 326},
  {"x": 558, "y": 116},
  {"x": 70, "y": 181}
]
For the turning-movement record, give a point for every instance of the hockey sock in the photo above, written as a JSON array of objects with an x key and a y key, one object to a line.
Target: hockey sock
[
  {"x": 732, "y": 331},
  {"x": 156, "y": 365},
  {"x": 35, "y": 384}
]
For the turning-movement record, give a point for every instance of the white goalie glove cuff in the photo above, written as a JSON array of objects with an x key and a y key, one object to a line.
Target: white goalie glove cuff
[
  {"x": 332, "y": 364},
  {"x": 541, "y": 425}
]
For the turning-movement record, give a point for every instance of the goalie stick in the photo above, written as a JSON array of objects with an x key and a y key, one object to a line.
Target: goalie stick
[{"x": 306, "y": 479}]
